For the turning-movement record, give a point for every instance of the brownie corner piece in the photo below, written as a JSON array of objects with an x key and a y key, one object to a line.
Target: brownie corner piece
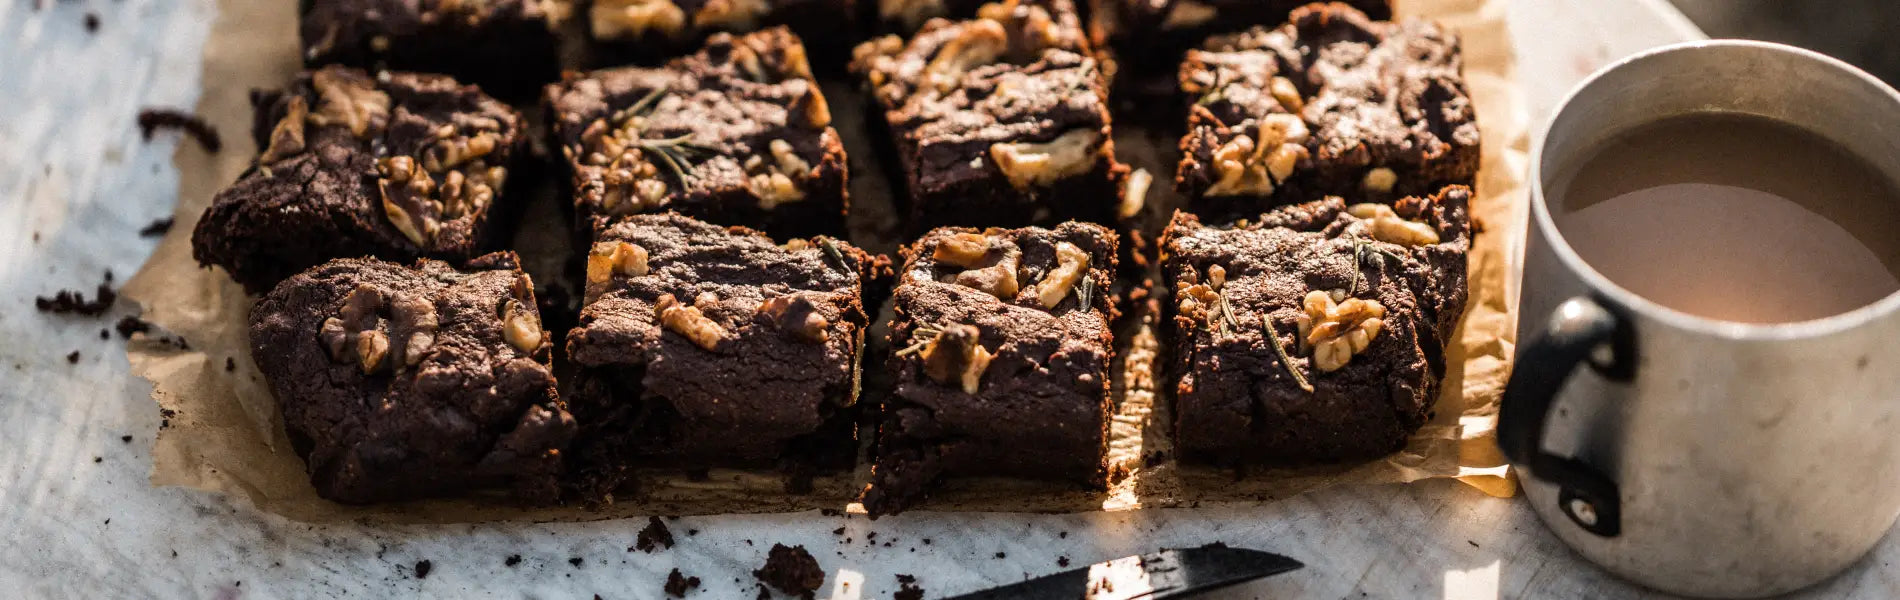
[
  {"x": 405, "y": 382},
  {"x": 397, "y": 167},
  {"x": 1316, "y": 334},
  {"x": 1000, "y": 120},
  {"x": 701, "y": 346},
  {"x": 509, "y": 47},
  {"x": 1003, "y": 367},
  {"x": 738, "y": 134},
  {"x": 1330, "y": 103}
]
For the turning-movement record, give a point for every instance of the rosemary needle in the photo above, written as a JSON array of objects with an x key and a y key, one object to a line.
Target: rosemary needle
[{"x": 1280, "y": 349}]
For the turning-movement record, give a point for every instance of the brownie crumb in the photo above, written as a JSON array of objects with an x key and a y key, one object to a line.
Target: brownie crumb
[
  {"x": 791, "y": 570},
  {"x": 105, "y": 334},
  {"x": 1473, "y": 543},
  {"x": 98, "y": 459},
  {"x": 75, "y": 302},
  {"x": 422, "y": 569},
  {"x": 153, "y": 119},
  {"x": 157, "y": 228},
  {"x": 838, "y": 531},
  {"x": 130, "y": 325},
  {"x": 1001, "y": 555},
  {"x": 763, "y": 594},
  {"x": 655, "y": 537},
  {"x": 677, "y": 584},
  {"x": 830, "y": 512},
  {"x": 124, "y": 438},
  {"x": 230, "y": 364},
  {"x": 92, "y": 22},
  {"x": 512, "y": 560},
  {"x": 926, "y": 541},
  {"x": 692, "y": 532},
  {"x": 1063, "y": 535},
  {"x": 1062, "y": 561},
  {"x": 73, "y": 358},
  {"x": 907, "y": 589}
]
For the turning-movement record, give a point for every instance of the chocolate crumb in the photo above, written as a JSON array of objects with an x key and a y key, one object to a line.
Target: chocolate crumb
[
  {"x": 98, "y": 459},
  {"x": 157, "y": 228},
  {"x": 830, "y": 512},
  {"x": 1062, "y": 561},
  {"x": 1473, "y": 543},
  {"x": 125, "y": 438},
  {"x": 230, "y": 364},
  {"x": 105, "y": 334},
  {"x": 792, "y": 570},
  {"x": 764, "y": 594},
  {"x": 92, "y": 22},
  {"x": 153, "y": 119},
  {"x": 926, "y": 541},
  {"x": 677, "y": 584},
  {"x": 130, "y": 325},
  {"x": 513, "y": 559},
  {"x": 655, "y": 537},
  {"x": 422, "y": 569},
  {"x": 576, "y": 561},
  {"x": 907, "y": 589},
  {"x": 1002, "y": 555},
  {"x": 75, "y": 302},
  {"x": 1063, "y": 535},
  {"x": 692, "y": 532},
  {"x": 838, "y": 531},
  {"x": 73, "y": 358}
]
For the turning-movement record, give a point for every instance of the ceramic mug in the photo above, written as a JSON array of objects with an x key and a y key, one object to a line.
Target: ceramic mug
[{"x": 1692, "y": 455}]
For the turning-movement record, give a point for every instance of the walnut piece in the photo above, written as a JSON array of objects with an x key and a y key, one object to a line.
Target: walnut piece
[
  {"x": 1072, "y": 264},
  {"x": 910, "y": 13},
  {"x": 347, "y": 99},
  {"x": 413, "y": 324},
  {"x": 1379, "y": 180},
  {"x": 1335, "y": 331},
  {"x": 1188, "y": 14},
  {"x": 1033, "y": 164},
  {"x": 521, "y": 326},
  {"x": 811, "y": 109},
  {"x": 1135, "y": 193},
  {"x": 731, "y": 15},
  {"x": 1199, "y": 303},
  {"x": 990, "y": 263},
  {"x": 1386, "y": 225},
  {"x": 634, "y": 19},
  {"x": 407, "y": 192},
  {"x": 1246, "y": 166},
  {"x": 286, "y": 138},
  {"x": 965, "y": 250},
  {"x": 772, "y": 182},
  {"x": 980, "y": 42},
  {"x": 610, "y": 259},
  {"x": 1287, "y": 94},
  {"x": 689, "y": 321},
  {"x": 358, "y": 333},
  {"x": 797, "y": 316},
  {"x": 955, "y": 358},
  {"x": 453, "y": 152}
]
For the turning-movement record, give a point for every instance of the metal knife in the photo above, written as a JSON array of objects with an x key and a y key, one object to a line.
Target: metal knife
[{"x": 1164, "y": 574}]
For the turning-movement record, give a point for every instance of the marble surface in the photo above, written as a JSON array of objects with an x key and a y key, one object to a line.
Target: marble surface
[{"x": 77, "y": 182}]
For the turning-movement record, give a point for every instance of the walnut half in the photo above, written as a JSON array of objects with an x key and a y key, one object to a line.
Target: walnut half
[
  {"x": 1249, "y": 166},
  {"x": 634, "y": 19},
  {"x": 1033, "y": 164},
  {"x": 358, "y": 333},
  {"x": 608, "y": 260},
  {"x": 955, "y": 358},
  {"x": 1335, "y": 331},
  {"x": 1386, "y": 225},
  {"x": 1072, "y": 264},
  {"x": 990, "y": 263},
  {"x": 690, "y": 321}
]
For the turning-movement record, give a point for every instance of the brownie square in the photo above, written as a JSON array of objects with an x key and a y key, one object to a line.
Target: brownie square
[
  {"x": 907, "y": 16},
  {"x": 1317, "y": 334},
  {"x": 702, "y": 346},
  {"x": 999, "y": 120},
  {"x": 403, "y": 382},
  {"x": 400, "y": 167},
  {"x": 1003, "y": 367},
  {"x": 1332, "y": 103},
  {"x": 509, "y": 47},
  {"x": 738, "y": 134},
  {"x": 1147, "y": 38},
  {"x": 650, "y": 31}
]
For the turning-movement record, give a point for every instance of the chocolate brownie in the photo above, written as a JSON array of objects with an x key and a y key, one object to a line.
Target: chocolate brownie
[
  {"x": 1147, "y": 38},
  {"x": 906, "y": 16},
  {"x": 509, "y": 47},
  {"x": 396, "y": 167},
  {"x": 1359, "y": 303},
  {"x": 703, "y": 346},
  {"x": 1003, "y": 370},
  {"x": 738, "y": 134},
  {"x": 649, "y": 31},
  {"x": 999, "y": 120},
  {"x": 402, "y": 382},
  {"x": 1332, "y": 103}
]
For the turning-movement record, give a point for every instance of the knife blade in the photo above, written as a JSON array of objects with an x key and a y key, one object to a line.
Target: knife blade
[{"x": 1164, "y": 574}]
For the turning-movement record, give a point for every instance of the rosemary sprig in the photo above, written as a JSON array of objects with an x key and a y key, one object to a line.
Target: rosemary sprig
[
  {"x": 1280, "y": 349},
  {"x": 1228, "y": 322},
  {"x": 1085, "y": 293},
  {"x": 641, "y": 107},
  {"x": 676, "y": 153},
  {"x": 1360, "y": 246},
  {"x": 831, "y": 250},
  {"x": 919, "y": 339}
]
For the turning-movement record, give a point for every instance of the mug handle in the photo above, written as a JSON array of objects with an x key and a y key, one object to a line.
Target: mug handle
[{"x": 1575, "y": 330}]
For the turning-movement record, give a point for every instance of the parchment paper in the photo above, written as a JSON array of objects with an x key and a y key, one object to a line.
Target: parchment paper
[{"x": 222, "y": 432}]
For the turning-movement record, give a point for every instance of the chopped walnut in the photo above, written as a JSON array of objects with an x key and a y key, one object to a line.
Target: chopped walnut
[
  {"x": 521, "y": 326},
  {"x": 1288, "y": 94},
  {"x": 797, "y": 316},
  {"x": 447, "y": 154},
  {"x": 1385, "y": 225},
  {"x": 358, "y": 333},
  {"x": 1249, "y": 167},
  {"x": 774, "y": 189},
  {"x": 788, "y": 160},
  {"x": 876, "y": 54},
  {"x": 1198, "y": 302},
  {"x": 965, "y": 250},
  {"x": 1216, "y": 277},
  {"x": 997, "y": 280},
  {"x": 634, "y": 19},
  {"x": 413, "y": 325},
  {"x": 286, "y": 138},
  {"x": 406, "y": 193},
  {"x": 731, "y": 15},
  {"x": 772, "y": 182},
  {"x": 607, "y": 260},
  {"x": 1335, "y": 331},
  {"x": 1032, "y": 164},
  {"x": 1072, "y": 264},
  {"x": 910, "y": 13},
  {"x": 811, "y": 109},
  {"x": 690, "y": 321},
  {"x": 980, "y": 42},
  {"x": 1379, "y": 180},
  {"x": 348, "y": 100},
  {"x": 1188, "y": 14},
  {"x": 1135, "y": 193},
  {"x": 466, "y": 191},
  {"x": 990, "y": 265},
  {"x": 954, "y": 357}
]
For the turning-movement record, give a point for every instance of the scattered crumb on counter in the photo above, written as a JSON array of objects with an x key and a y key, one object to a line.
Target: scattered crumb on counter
[
  {"x": 130, "y": 325},
  {"x": 907, "y": 588},
  {"x": 157, "y": 228},
  {"x": 73, "y": 358},
  {"x": 576, "y": 561},
  {"x": 1062, "y": 561},
  {"x": 153, "y": 119},
  {"x": 792, "y": 570},
  {"x": 75, "y": 302},
  {"x": 512, "y": 560},
  {"x": 92, "y": 22},
  {"x": 677, "y": 584},
  {"x": 422, "y": 569},
  {"x": 654, "y": 537}
]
